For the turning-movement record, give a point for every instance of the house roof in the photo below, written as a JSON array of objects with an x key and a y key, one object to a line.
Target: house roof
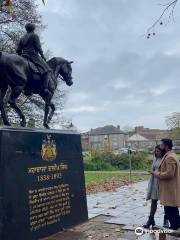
[
  {"x": 152, "y": 134},
  {"x": 106, "y": 130},
  {"x": 137, "y": 138}
]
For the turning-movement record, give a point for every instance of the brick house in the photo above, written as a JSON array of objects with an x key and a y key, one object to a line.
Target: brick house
[
  {"x": 104, "y": 137},
  {"x": 145, "y": 138}
]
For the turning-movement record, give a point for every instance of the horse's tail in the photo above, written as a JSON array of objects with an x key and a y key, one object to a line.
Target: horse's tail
[{"x": 0, "y": 53}]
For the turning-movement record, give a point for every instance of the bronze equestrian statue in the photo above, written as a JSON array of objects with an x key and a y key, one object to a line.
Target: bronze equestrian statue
[{"x": 29, "y": 73}]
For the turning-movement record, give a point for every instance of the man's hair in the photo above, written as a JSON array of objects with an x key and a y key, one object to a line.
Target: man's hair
[
  {"x": 30, "y": 27},
  {"x": 168, "y": 142}
]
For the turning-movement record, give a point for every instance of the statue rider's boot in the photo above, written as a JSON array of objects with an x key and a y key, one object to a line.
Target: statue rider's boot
[
  {"x": 150, "y": 222},
  {"x": 28, "y": 93}
]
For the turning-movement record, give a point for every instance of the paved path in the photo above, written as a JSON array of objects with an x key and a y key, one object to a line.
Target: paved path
[{"x": 127, "y": 206}]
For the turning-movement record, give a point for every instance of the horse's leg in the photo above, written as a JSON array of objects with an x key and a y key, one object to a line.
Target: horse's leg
[
  {"x": 12, "y": 101},
  {"x": 46, "y": 112},
  {"x": 3, "y": 113},
  {"x": 52, "y": 106},
  {"x": 47, "y": 100}
]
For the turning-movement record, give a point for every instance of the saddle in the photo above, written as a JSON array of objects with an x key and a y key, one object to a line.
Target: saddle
[{"x": 33, "y": 67}]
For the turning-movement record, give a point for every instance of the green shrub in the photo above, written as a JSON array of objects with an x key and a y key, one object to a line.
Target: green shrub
[
  {"x": 120, "y": 161},
  {"x": 107, "y": 160},
  {"x": 140, "y": 161},
  {"x": 98, "y": 166}
]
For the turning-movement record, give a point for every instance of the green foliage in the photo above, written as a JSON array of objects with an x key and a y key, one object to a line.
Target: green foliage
[
  {"x": 107, "y": 160},
  {"x": 98, "y": 166},
  {"x": 121, "y": 161},
  {"x": 98, "y": 160},
  {"x": 141, "y": 161}
]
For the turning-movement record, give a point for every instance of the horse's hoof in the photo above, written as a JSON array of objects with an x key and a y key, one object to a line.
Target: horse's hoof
[
  {"x": 28, "y": 93},
  {"x": 7, "y": 124},
  {"x": 48, "y": 121},
  {"x": 23, "y": 124},
  {"x": 46, "y": 126}
]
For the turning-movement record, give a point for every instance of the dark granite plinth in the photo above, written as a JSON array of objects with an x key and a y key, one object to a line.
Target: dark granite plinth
[{"x": 42, "y": 187}]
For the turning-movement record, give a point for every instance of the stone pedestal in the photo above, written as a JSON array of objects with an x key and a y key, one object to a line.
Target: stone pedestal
[{"x": 42, "y": 187}]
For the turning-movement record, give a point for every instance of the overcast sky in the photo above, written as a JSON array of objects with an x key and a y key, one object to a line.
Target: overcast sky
[{"x": 120, "y": 77}]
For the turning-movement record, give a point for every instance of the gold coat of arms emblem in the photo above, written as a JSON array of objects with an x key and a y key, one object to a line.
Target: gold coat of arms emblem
[{"x": 48, "y": 150}]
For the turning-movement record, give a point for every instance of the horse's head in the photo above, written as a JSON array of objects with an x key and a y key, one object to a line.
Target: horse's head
[
  {"x": 66, "y": 73},
  {"x": 62, "y": 68}
]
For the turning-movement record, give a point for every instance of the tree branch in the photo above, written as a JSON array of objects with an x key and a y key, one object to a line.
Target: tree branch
[
  {"x": 6, "y": 21},
  {"x": 168, "y": 7}
]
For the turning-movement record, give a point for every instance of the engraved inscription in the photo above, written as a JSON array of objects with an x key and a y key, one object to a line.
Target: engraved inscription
[{"x": 48, "y": 205}]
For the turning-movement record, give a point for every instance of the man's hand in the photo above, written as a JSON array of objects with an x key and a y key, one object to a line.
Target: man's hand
[{"x": 155, "y": 173}]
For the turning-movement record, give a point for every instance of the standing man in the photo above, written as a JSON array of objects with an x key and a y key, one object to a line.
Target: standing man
[{"x": 169, "y": 183}]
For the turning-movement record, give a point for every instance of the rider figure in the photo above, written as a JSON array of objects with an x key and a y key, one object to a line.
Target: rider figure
[{"x": 30, "y": 47}]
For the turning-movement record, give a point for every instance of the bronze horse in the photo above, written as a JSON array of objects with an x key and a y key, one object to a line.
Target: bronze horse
[{"x": 16, "y": 73}]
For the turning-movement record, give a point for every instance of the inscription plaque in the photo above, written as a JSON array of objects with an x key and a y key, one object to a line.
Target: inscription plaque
[{"x": 42, "y": 187}]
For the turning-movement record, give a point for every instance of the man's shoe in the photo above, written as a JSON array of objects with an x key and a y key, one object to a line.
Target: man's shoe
[{"x": 166, "y": 222}]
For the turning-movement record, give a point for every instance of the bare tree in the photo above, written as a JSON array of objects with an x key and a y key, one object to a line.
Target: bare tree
[
  {"x": 173, "y": 124},
  {"x": 12, "y": 29},
  {"x": 166, "y": 16},
  {"x": 173, "y": 120},
  {"x": 128, "y": 129},
  {"x": 25, "y": 11}
]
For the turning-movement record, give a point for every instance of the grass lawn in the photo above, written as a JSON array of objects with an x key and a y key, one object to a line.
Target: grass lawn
[
  {"x": 103, "y": 177},
  {"x": 178, "y": 155}
]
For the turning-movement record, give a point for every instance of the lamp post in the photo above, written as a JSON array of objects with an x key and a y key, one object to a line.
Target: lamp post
[{"x": 130, "y": 162}]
